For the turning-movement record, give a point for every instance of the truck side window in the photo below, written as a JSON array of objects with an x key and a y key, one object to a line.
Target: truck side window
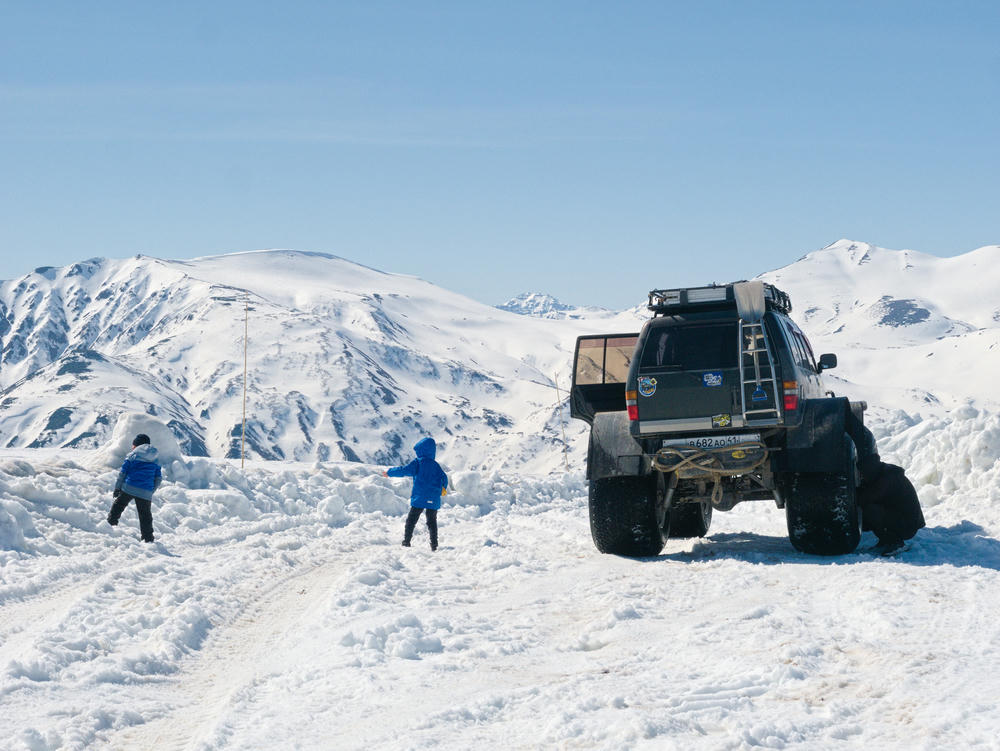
[
  {"x": 810, "y": 358},
  {"x": 794, "y": 344}
]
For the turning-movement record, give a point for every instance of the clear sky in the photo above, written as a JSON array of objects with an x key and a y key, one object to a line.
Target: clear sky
[{"x": 591, "y": 150}]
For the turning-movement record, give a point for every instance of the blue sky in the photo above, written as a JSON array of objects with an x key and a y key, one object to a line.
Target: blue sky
[{"x": 589, "y": 150}]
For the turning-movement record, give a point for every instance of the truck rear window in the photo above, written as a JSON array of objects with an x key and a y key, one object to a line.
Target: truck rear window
[{"x": 709, "y": 346}]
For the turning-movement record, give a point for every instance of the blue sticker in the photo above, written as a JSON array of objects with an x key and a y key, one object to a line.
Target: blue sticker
[
  {"x": 759, "y": 395},
  {"x": 647, "y": 385},
  {"x": 713, "y": 378}
]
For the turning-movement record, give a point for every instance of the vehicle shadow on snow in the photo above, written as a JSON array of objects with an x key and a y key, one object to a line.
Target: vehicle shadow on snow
[{"x": 963, "y": 544}]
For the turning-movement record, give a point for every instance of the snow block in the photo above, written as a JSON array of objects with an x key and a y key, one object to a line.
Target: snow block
[{"x": 130, "y": 424}]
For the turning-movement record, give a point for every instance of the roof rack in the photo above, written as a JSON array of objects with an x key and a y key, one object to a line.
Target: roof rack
[{"x": 667, "y": 301}]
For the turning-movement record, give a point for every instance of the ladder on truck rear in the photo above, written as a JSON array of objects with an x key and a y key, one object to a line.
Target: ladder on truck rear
[{"x": 758, "y": 385}]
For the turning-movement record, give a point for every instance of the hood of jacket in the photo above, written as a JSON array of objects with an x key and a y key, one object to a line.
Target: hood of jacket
[
  {"x": 144, "y": 453},
  {"x": 425, "y": 448}
]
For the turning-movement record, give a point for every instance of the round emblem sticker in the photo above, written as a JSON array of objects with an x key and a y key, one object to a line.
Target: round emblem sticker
[{"x": 647, "y": 386}]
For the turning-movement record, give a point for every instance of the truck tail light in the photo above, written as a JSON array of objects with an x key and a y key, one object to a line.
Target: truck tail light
[
  {"x": 630, "y": 405},
  {"x": 791, "y": 401}
]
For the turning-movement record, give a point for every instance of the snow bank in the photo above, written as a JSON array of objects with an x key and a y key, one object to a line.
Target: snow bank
[
  {"x": 57, "y": 498},
  {"x": 947, "y": 459},
  {"x": 51, "y": 497},
  {"x": 487, "y": 490}
]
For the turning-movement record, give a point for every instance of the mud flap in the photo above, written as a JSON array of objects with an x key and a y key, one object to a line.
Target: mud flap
[
  {"x": 817, "y": 445},
  {"x": 613, "y": 451}
]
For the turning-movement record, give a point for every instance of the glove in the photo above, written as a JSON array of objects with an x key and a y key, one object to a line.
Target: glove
[{"x": 115, "y": 494}]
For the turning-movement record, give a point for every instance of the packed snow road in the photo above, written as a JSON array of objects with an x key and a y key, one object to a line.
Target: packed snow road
[{"x": 278, "y": 610}]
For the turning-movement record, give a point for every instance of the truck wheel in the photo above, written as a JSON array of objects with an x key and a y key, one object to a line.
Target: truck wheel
[
  {"x": 821, "y": 508},
  {"x": 628, "y": 516},
  {"x": 690, "y": 519}
]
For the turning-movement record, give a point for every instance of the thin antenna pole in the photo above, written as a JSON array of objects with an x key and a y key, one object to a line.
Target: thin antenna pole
[
  {"x": 246, "y": 336},
  {"x": 562, "y": 422}
]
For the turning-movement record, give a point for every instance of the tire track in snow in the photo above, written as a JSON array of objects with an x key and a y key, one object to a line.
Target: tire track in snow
[
  {"x": 21, "y": 623},
  {"x": 242, "y": 652},
  {"x": 25, "y": 620}
]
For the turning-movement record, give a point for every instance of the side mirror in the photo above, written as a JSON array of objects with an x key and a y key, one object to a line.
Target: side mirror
[{"x": 827, "y": 361}]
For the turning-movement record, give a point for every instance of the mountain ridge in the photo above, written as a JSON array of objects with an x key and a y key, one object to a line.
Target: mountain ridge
[
  {"x": 352, "y": 363},
  {"x": 345, "y": 362}
]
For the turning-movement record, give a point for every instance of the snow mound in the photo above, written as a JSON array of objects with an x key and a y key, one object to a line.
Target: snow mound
[
  {"x": 128, "y": 426},
  {"x": 45, "y": 505},
  {"x": 946, "y": 458}
]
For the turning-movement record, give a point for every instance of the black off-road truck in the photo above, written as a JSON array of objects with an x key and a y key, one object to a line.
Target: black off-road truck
[{"x": 717, "y": 400}]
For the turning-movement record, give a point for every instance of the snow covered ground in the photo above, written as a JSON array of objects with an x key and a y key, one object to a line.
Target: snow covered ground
[{"x": 277, "y": 610}]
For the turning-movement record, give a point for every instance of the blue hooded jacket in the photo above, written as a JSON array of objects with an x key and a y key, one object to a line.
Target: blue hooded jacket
[
  {"x": 140, "y": 474},
  {"x": 428, "y": 477}
]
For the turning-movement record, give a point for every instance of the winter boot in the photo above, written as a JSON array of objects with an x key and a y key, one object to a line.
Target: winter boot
[{"x": 889, "y": 546}]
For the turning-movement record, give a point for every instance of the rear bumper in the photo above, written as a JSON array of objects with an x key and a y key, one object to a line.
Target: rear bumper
[
  {"x": 700, "y": 424},
  {"x": 688, "y": 462}
]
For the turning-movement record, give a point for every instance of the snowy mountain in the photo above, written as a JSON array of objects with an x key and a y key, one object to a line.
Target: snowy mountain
[
  {"x": 344, "y": 362},
  {"x": 546, "y": 306},
  {"x": 912, "y": 331},
  {"x": 350, "y": 363}
]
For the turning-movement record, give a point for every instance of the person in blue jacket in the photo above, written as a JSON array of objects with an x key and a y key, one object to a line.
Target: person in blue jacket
[
  {"x": 429, "y": 484},
  {"x": 139, "y": 478}
]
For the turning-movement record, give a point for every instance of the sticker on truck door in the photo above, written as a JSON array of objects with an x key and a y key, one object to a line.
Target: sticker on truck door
[
  {"x": 647, "y": 385},
  {"x": 722, "y": 421},
  {"x": 712, "y": 378}
]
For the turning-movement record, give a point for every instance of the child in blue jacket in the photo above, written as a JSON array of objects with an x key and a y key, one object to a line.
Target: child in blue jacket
[
  {"x": 429, "y": 483},
  {"x": 139, "y": 478}
]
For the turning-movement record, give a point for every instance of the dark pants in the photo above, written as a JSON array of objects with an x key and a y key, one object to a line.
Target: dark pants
[
  {"x": 432, "y": 524},
  {"x": 142, "y": 507}
]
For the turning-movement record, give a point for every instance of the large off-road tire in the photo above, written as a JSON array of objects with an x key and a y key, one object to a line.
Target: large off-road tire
[
  {"x": 690, "y": 519},
  {"x": 821, "y": 508},
  {"x": 627, "y": 516}
]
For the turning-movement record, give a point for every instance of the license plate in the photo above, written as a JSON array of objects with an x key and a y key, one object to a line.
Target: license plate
[{"x": 712, "y": 441}]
